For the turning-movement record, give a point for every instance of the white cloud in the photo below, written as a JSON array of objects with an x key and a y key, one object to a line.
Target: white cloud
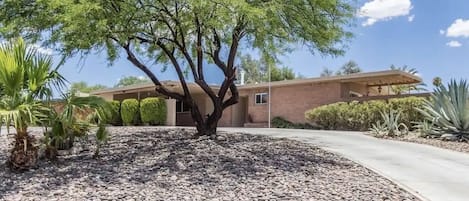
[
  {"x": 459, "y": 28},
  {"x": 411, "y": 18},
  {"x": 454, "y": 43},
  {"x": 42, "y": 50},
  {"x": 442, "y": 32},
  {"x": 38, "y": 48},
  {"x": 383, "y": 10}
]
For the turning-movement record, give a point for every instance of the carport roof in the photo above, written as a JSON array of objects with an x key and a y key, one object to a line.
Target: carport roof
[{"x": 378, "y": 78}]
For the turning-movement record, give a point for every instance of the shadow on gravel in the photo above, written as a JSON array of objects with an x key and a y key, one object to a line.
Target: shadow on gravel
[{"x": 163, "y": 156}]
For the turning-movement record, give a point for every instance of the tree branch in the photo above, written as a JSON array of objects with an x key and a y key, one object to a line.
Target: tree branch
[
  {"x": 177, "y": 67},
  {"x": 159, "y": 87}
]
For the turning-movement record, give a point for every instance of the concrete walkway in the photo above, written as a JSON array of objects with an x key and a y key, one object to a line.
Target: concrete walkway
[{"x": 433, "y": 173}]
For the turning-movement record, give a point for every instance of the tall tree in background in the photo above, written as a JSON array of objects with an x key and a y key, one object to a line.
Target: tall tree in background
[
  {"x": 131, "y": 80},
  {"x": 84, "y": 87},
  {"x": 326, "y": 72},
  {"x": 437, "y": 81},
  {"x": 253, "y": 72},
  {"x": 407, "y": 88},
  {"x": 256, "y": 71},
  {"x": 281, "y": 73},
  {"x": 182, "y": 34},
  {"x": 348, "y": 68}
]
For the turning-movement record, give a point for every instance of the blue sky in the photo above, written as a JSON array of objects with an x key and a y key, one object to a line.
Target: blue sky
[{"x": 431, "y": 36}]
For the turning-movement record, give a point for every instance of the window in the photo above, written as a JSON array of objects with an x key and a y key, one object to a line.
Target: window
[
  {"x": 181, "y": 107},
  {"x": 261, "y": 98}
]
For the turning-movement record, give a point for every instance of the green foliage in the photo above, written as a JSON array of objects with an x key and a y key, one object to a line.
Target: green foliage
[
  {"x": 348, "y": 68},
  {"x": 116, "y": 119},
  {"x": 256, "y": 71},
  {"x": 155, "y": 34},
  {"x": 448, "y": 108},
  {"x": 84, "y": 87},
  {"x": 102, "y": 136},
  {"x": 153, "y": 111},
  {"x": 65, "y": 125},
  {"x": 271, "y": 26},
  {"x": 26, "y": 76},
  {"x": 407, "y": 88},
  {"x": 361, "y": 116},
  {"x": 279, "y": 122},
  {"x": 130, "y": 112},
  {"x": 131, "y": 80}
]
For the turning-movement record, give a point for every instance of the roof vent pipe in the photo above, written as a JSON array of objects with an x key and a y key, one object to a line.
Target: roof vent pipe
[{"x": 242, "y": 77}]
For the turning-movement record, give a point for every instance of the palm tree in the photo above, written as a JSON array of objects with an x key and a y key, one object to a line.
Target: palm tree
[
  {"x": 65, "y": 124},
  {"x": 26, "y": 78},
  {"x": 348, "y": 68},
  {"x": 407, "y": 88},
  {"x": 326, "y": 72}
]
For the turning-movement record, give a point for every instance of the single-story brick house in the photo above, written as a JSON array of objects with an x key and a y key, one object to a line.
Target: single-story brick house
[{"x": 288, "y": 99}]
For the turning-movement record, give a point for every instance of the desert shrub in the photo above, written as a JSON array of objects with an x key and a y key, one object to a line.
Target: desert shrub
[
  {"x": 325, "y": 116},
  {"x": 153, "y": 111},
  {"x": 116, "y": 119},
  {"x": 361, "y": 116},
  {"x": 279, "y": 122},
  {"x": 129, "y": 112}
]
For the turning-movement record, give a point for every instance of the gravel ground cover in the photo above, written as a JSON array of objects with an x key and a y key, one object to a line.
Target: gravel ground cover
[
  {"x": 451, "y": 145},
  {"x": 147, "y": 163}
]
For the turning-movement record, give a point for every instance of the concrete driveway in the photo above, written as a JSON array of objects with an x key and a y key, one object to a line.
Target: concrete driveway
[{"x": 433, "y": 173}]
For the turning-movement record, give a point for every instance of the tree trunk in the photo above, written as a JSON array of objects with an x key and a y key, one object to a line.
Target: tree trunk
[
  {"x": 24, "y": 154},
  {"x": 209, "y": 128},
  {"x": 206, "y": 124}
]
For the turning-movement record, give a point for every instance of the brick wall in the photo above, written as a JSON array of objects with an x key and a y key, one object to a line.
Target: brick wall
[{"x": 291, "y": 102}]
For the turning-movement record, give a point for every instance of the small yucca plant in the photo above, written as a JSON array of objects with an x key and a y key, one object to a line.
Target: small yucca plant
[
  {"x": 390, "y": 125},
  {"x": 378, "y": 129},
  {"x": 427, "y": 129}
]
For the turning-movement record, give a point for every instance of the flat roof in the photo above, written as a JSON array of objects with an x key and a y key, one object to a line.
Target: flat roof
[{"x": 377, "y": 78}]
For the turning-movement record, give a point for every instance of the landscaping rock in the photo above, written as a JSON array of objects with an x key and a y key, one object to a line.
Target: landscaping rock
[{"x": 148, "y": 163}]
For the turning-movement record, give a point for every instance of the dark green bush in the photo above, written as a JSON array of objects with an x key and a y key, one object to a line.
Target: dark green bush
[
  {"x": 153, "y": 111},
  {"x": 279, "y": 122},
  {"x": 360, "y": 116},
  {"x": 116, "y": 119},
  {"x": 129, "y": 112}
]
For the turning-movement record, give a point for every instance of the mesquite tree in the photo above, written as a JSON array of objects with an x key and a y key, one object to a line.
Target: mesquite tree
[{"x": 182, "y": 34}]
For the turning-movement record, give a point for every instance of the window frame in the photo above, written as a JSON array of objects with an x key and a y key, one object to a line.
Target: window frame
[
  {"x": 182, "y": 107},
  {"x": 261, "y": 95}
]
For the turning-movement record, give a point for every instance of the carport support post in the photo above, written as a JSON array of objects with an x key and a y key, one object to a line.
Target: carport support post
[
  {"x": 269, "y": 100},
  {"x": 170, "y": 112}
]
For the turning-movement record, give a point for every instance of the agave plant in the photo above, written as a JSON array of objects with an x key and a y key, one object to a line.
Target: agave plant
[
  {"x": 427, "y": 129},
  {"x": 26, "y": 77},
  {"x": 390, "y": 126},
  {"x": 378, "y": 129},
  {"x": 448, "y": 108}
]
